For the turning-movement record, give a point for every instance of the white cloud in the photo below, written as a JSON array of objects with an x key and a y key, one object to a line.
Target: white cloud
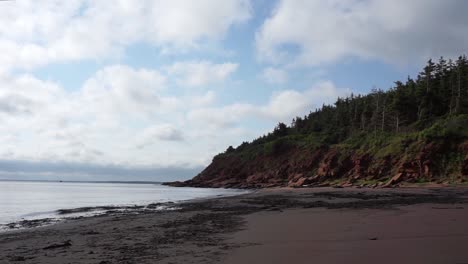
[
  {"x": 205, "y": 99},
  {"x": 35, "y": 33},
  {"x": 51, "y": 123},
  {"x": 285, "y": 105},
  {"x": 199, "y": 73},
  {"x": 274, "y": 75},
  {"x": 123, "y": 89},
  {"x": 27, "y": 86},
  {"x": 102, "y": 121},
  {"x": 216, "y": 118},
  {"x": 164, "y": 132},
  {"x": 185, "y": 22},
  {"x": 311, "y": 32},
  {"x": 282, "y": 106}
]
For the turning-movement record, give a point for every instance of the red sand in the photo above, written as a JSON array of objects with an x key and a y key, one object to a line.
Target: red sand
[{"x": 411, "y": 234}]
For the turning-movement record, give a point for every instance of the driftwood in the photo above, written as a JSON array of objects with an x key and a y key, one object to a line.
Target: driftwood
[{"x": 59, "y": 245}]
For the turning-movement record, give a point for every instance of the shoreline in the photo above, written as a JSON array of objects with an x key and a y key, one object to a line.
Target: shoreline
[
  {"x": 205, "y": 230},
  {"x": 73, "y": 214},
  {"x": 70, "y": 214}
]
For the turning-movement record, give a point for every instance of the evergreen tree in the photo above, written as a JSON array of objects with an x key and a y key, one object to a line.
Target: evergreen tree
[{"x": 440, "y": 90}]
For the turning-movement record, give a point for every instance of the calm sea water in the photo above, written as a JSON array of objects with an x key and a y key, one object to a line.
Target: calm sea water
[{"x": 36, "y": 200}]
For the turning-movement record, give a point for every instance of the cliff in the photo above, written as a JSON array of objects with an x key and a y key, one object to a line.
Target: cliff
[
  {"x": 415, "y": 132},
  {"x": 393, "y": 159}
]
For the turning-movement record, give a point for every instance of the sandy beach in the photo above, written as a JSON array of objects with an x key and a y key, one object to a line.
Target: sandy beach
[{"x": 319, "y": 225}]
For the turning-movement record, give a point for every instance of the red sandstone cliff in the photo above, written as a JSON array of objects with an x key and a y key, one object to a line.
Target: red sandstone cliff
[{"x": 296, "y": 167}]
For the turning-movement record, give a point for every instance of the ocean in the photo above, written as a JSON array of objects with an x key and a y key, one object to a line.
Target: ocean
[{"x": 28, "y": 200}]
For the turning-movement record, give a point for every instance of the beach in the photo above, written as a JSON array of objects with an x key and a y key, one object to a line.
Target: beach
[{"x": 283, "y": 225}]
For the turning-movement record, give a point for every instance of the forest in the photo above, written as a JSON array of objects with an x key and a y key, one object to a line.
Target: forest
[
  {"x": 414, "y": 132},
  {"x": 438, "y": 93}
]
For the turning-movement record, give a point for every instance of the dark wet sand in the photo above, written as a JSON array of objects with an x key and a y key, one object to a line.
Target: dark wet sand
[
  {"x": 319, "y": 225},
  {"x": 412, "y": 234}
]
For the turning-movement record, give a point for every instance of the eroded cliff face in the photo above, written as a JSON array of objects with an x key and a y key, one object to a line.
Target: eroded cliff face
[{"x": 336, "y": 166}]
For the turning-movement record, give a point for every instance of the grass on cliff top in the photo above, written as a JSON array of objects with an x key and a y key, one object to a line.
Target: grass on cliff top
[
  {"x": 379, "y": 144},
  {"x": 455, "y": 127},
  {"x": 383, "y": 144}
]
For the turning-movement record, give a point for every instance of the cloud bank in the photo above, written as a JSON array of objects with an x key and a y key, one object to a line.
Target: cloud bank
[
  {"x": 315, "y": 32},
  {"x": 37, "y": 33}
]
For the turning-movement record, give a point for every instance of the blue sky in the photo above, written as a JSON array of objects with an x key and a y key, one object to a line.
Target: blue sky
[{"x": 156, "y": 88}]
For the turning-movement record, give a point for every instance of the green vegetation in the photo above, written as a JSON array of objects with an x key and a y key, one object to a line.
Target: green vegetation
[{"x": 432, "y": 107}]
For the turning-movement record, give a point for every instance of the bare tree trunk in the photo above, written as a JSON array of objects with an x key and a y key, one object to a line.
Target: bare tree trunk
[
  {"x": 427, "y": 83},
  {"x": 383, "y": 114},
  {"x": 397, "y": 123},
  {"x": 355, "y": 115},
  {"x": 363, "y": 121},
  {"x": 419, "y": 112},
  {"x": 457, "y": 102},
  {"x": 451, "y": 95},
  {"x": 376, "y": 113}
]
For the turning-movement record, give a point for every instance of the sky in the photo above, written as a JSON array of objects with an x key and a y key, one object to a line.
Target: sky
[{"x": 153, "y": 89}]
